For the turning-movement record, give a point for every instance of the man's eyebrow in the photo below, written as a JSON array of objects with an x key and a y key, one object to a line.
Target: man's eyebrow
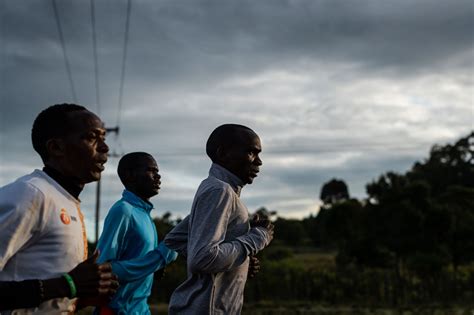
[
  {"x": 95, "y": 131},
  {"x": 99, "y": 130}
]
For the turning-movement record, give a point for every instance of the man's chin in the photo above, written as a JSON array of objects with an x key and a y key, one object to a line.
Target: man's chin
[{"x": 93, "y": 177}]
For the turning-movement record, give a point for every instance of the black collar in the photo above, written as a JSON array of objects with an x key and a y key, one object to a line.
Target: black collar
[{"x": 66, "y": 182}]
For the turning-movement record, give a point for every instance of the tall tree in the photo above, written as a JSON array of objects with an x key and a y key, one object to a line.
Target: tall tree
[
  {"x": 334, "y": 191},
  {"x": 448, "y": 165}
]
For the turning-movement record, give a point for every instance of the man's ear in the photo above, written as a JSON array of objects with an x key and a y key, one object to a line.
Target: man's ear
[
  {"x": 130, "y": 176},
  {"x": 55, "y": 147},
  {"x": 221, "y": 154}
]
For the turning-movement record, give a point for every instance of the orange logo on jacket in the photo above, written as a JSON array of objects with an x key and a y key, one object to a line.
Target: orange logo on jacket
[{"x": 65, "y": 218}]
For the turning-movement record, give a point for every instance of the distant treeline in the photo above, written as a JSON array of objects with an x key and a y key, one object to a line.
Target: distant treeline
[{"x": 411, "y": 242}]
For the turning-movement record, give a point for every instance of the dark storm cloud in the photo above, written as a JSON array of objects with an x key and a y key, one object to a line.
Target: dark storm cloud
[
  {"x": 242, "y": 36},
  {"x": 200, "y": 42},
  {"x": 170, "y": 40}
]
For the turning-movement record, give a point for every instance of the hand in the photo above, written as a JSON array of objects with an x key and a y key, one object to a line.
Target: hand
[
  {"x": 254, "y": 266},
  {"x": 168, "y": 254},
  {"x": 94, "y": 280},
  {"x": 262, "y": 222}
]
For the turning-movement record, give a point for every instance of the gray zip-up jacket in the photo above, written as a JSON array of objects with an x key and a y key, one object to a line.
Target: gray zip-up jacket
[{"x": 216, "y": 239}]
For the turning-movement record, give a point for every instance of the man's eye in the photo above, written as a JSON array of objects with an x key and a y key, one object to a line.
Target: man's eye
[{"x": 95, "y": 137}]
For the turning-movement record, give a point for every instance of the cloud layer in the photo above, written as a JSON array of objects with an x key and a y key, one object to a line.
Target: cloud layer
[{"x": 346, "y": 89}]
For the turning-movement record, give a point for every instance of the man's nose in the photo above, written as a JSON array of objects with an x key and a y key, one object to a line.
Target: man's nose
[
  {"x": 103, "y": 147},
  {"x": 258, "y": 161}
]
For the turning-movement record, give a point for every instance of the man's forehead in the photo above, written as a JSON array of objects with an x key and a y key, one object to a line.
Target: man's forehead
[
  {"x": 249, "y": 137},
  {"x": 146, "y": 161},
  {"x": 85, "y": 120}
]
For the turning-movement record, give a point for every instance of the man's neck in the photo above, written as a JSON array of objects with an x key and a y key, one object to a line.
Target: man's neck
[
  {"x": 139, "y": 195},
  {"x": 222, "y": 173},
  {"x": 68, "y": 183}
]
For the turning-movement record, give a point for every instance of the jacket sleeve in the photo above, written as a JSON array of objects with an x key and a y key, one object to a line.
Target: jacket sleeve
[
  {"x": 177, "y": 238},
  {"x": 114, "y": 241},
  {"x": 22, "y": 216},
  {"x": 140, "y": 267},
  {"x": 21, "y": 294},
  {"x": 208, "y": 251}
]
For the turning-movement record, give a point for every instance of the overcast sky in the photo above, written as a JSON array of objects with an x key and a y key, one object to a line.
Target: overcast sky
[{"x": 335, "y": 88}]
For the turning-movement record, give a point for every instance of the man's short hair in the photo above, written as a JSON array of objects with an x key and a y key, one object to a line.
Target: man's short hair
[
  {"x": 128, "y": 163},
  {"x": 224, "y": 136},
  {"x": 52, "y": 122}
]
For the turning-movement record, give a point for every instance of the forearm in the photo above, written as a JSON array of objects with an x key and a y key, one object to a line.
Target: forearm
[
  {"x": 227, "y": 255},
  {"x": 180, "y": 248},
  {"x": 31, "y": 293},
  {"x": 177, "y": 238},
  {"x": 138, "y": 268},
  {"x": 217, "y": 258},
  {"x": 255, "y": 240}
]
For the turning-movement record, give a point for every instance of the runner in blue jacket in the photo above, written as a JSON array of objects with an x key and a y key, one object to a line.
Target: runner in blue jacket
[{"x": 129, "y": 240}]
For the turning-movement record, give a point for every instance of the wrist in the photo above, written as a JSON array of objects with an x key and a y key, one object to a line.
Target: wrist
[
  {"x": 55, "y": 288},
  {"x": 71, "y": 285},
  {"x": 260, "y": 229}
]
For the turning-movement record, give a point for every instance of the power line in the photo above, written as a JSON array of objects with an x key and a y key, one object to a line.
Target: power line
[
  {"x": 96, "y": 63},
  {"x": 63, "y": 46},
  {"x": 124, "y": 58}
]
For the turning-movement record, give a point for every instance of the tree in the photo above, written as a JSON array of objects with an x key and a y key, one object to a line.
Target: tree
[
  {"x": 425, "y": 215},
  {"x": 334, "y": 191},
  {"x": 291, "y": 231},
  {"x": 163, "y": 225},
  {"x": 312, "y": 229},
  {"x": 449, "y": 165}
]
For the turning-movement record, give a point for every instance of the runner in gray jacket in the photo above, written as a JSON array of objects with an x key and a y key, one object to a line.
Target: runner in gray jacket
[{"x": 217, "y": 237}]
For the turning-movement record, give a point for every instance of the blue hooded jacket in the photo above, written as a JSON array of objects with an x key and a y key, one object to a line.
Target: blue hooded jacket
[{"x": 130, "y": 243}]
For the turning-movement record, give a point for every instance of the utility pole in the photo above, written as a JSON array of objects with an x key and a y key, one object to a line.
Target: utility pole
[{"x": 97, "y": 192}]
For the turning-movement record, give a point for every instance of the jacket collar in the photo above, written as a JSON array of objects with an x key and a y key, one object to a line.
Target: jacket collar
[
  {"x": 137, "y": 201},
  {"x": 68, "y": 183},
  {"x": 224, "y": 175}
]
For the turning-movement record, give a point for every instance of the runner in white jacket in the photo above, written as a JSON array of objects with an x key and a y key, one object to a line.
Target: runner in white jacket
[{"x": 43, "y": 248}]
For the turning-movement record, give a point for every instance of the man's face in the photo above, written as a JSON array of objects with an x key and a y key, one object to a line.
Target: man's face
[
  {"x": 242, "y": 158},
  {"x": 84, "y": 151},
  {"x": 147, "y": 180}
]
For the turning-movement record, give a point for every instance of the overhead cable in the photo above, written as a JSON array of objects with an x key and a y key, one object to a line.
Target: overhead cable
[
  {"x": 63, "y": 46},
  {"x": 124, "y": 58},
  {"x": 96, "y": 62}
]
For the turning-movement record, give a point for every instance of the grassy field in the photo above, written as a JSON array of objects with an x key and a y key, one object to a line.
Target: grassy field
[
  {"x": 301, "y": 308},
  {"x": 283, "y": 262}
]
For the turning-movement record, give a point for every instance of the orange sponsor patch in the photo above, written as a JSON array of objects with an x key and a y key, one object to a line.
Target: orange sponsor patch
[
  {"x": 84, "y": 236},
  {"x": 65, "y": 218}
]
